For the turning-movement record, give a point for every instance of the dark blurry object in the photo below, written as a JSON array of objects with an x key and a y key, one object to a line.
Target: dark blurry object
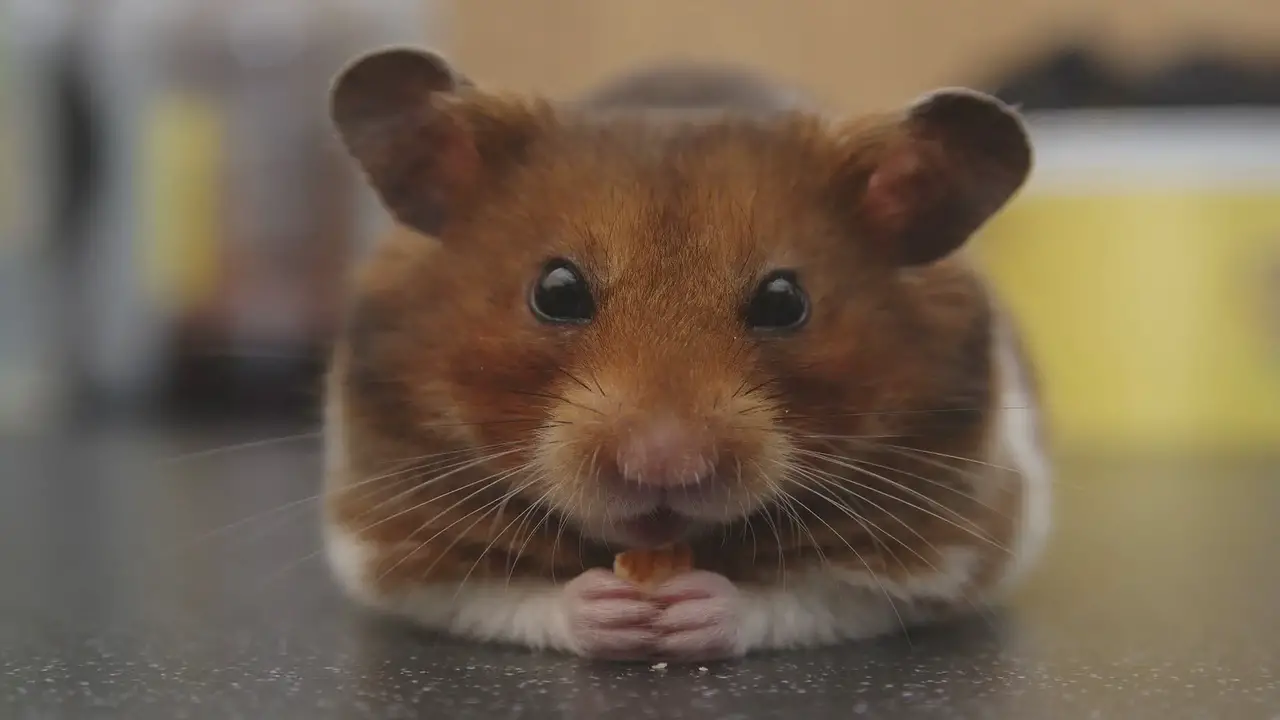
[
  {"x": 226, "y": 218},
  {"x": 1076, "y": 77},
  {"x": 1211, "y": 79}
]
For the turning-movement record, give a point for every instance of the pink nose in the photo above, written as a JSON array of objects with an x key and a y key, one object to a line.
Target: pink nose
[{"x": 665, "y": 452}]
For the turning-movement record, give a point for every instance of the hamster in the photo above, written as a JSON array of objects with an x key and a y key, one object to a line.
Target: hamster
[{"x": 597, "y": 329}]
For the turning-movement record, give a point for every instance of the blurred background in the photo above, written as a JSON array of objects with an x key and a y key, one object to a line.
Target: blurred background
[{"x": 176, "y": 221}]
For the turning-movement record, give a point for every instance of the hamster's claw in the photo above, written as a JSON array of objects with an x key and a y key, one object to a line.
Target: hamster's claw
[
  {"x": 699, "y": 620},
  {"x": 610, "y": 618}
]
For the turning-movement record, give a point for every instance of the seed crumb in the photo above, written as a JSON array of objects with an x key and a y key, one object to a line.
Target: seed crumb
[
  {"x": 702, "y": 670},
  {"x": 659, "y": 666}
]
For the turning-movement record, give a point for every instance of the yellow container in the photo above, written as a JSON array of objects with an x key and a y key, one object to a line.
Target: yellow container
[{"x": 1143, "y": 260}]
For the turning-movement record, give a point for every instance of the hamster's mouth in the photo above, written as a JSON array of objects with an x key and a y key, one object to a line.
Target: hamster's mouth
[{"x": 659, "y": 527}]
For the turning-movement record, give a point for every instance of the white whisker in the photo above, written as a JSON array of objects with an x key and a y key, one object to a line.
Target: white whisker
[
  {"x": 490, "y": 482},
  {"x": 852, "y": 465},
  {"x": 419, "y": 486},
  {"x": 906, "y": 449},
  {"x": 817, "y": 546},
  {"x": 227, "y": 449},
  {"x": 505, "y": 499}
]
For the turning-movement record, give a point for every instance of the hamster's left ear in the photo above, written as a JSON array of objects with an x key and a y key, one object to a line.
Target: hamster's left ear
[
  {"x": 951, "y": 161},
  {"x": 428, "y": 141}
]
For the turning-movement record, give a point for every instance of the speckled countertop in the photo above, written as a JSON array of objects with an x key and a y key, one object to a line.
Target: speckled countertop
[{"x": 139, "y": 581}]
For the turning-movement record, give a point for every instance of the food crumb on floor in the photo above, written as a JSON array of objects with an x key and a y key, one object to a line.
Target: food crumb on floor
[{"x": 659, "y": 666}]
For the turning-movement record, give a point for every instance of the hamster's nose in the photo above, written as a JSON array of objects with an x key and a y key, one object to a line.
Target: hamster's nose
[{"x": 665, "y": 452}]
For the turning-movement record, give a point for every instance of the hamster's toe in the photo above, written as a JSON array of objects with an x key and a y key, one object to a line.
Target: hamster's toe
[
  {"x": 610, "y": 618},
  {"x": 700, "y": 618}
]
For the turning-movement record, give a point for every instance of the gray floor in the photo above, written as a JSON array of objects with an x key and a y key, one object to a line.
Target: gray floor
[{"x": 140, "y": 582}]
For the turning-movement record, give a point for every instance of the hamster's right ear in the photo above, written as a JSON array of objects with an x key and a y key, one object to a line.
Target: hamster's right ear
[
  {"x": 424, "y": 138},
  {"x": 947, "y": 164}
]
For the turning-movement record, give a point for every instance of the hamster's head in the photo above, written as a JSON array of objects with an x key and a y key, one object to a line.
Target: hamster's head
[{"x": 645, "y": 323}]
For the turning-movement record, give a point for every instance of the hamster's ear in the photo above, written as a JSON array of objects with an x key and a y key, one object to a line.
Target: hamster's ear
[
  {"x": 424, "y": 138},
  {"x": 953, "y": 159}
]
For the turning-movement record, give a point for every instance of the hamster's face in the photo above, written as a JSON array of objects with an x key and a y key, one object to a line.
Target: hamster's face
[
  {"x": 658, "y": 324},
  {"x": 647, "y": 327},
  {"x": 655, "y": 303}
]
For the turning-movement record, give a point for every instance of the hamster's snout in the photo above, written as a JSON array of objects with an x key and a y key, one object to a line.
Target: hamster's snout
[
  {"x": 645, "y": 460},
  {"x": 665, "y": 453},
  {"x": 661, "y": 477}
]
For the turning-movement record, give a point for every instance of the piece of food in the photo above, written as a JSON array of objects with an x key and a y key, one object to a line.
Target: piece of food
[{"x": 651, "y": 568}]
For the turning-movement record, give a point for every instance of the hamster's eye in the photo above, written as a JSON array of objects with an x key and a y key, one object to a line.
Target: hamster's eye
[
  {"x": 561, "y": 295},
  {"x": 778, "y": 304}
]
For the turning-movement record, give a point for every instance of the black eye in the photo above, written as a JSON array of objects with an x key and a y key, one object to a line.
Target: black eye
[
  {"x": 561, "y": 295},
  {"x": 778, "y": 304}
]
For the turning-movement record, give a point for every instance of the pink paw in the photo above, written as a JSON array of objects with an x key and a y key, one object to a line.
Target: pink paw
[
  {"x": 699, "y": 619},
  {"x": 610, "y": 618}
]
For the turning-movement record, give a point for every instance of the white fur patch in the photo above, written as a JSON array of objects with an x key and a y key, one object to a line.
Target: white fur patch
[
  {"x": 531, "y": 613},
  {"x": 1017, "y": 447},
  {"x": 348, "y": 560},
  {"x": 947, "y": 582},
  {"x": 812, "y": 608},
  {"x": 335, "y": 442}
]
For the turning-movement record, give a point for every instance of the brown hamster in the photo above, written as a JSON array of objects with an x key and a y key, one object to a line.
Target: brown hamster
[{"x": 754, "y": 334}]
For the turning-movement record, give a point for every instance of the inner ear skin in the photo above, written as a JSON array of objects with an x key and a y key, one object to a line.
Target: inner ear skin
[
  {"x": 427, "y": 141},
  {"x": 941, "y": 172}
]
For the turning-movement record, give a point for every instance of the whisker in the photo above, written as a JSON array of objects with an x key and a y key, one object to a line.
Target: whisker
[
  {"x": 546, "y": 515},
  {"x": 858, "y": 466},
  {"x": 573, "y": 377},
  {"x": 283, "y": 509},
  {"x": 520, "y": 517},
  {"x": 244, "y": 355},
  {"x": 432, "y": 481},
  {"x": 280, "y": 573},
  {"x": 777, "y": 534},
  {"x": 413, "y": 477},
  {"x": 938, "y": 483},
  {"x": 419, "y": 466},
  {"x": 495, "y": 536},
  {"x": 787, "y": 503},
  {"x": 555, "y": 544},
  {"x": 842, "y": 507},
  {"x": 226, "y": 449},
  {"x": 554, "y": 398},
  {"x": 817, "y": 546},
  {"x": 872, "y": 436},
  {"x": 755, "y": 388},
  {"x": 591, "y": 373},
  {"x": 901, "y": 449},
  {"x": 225, "y": 529},
  {"x": 492, "y": 481},
  {"x": 484, "y": 423},
  {"x": 894, "y": 413},
  {"x": 869, "y": 473},
  {"x": 866, "y": 523}
]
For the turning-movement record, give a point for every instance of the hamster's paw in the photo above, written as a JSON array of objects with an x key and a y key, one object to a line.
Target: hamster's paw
[
  {"x": 700, "y": 618},
  {"x": 610, "y": 618}
]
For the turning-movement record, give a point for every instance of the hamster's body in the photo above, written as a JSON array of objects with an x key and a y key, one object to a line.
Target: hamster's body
[{"x": 827, "y": 403}]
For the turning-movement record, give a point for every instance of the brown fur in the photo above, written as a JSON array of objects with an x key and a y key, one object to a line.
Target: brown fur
[{"x": 673, "y": 225}]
